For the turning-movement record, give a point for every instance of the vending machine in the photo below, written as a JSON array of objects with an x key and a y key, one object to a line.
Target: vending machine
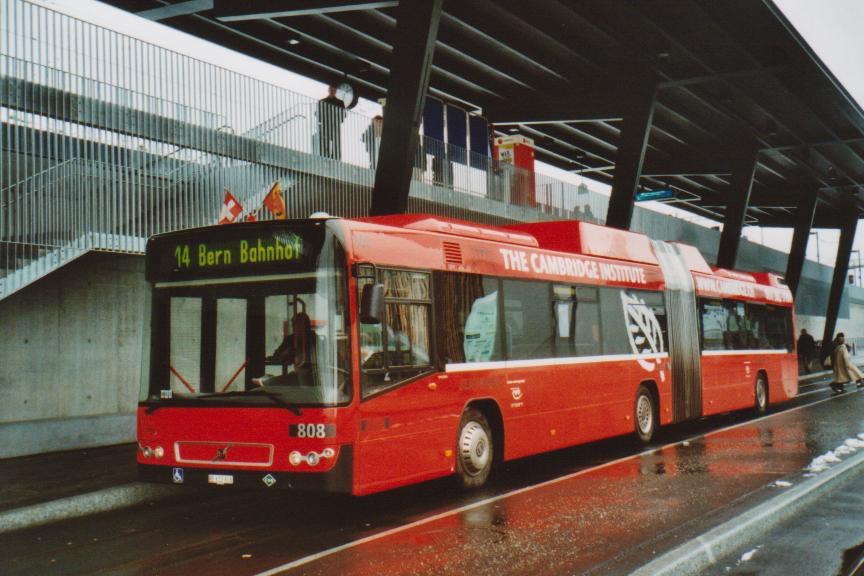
[{"x": 517, "y": 151}]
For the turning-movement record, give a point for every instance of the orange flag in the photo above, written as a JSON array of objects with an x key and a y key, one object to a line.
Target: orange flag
[
  {"x": 231, "y": 209},
  {"x": 274, "y": 202}
]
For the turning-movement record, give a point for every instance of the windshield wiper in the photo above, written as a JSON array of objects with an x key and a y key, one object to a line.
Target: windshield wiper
[{"x": 274, "y": 397}]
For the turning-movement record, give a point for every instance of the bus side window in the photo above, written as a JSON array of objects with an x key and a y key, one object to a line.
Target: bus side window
[
  {"x": 481, "y": 341},
  {"x": 527, "y": 310},
  {"x": 399, "y": 347},
  {"x": 614, "y": 325},
  {"x": 564, "y": 319},
  {"x": 587, "y": 330},
  {"x": 757, "y": 338},
  {"x": 778, "y": 328},
  {"x": 713, "y": 325},
  {"x": 466, "y": 317}
]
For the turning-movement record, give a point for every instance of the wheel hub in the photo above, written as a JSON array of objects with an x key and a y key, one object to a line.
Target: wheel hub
[
  {"x": 644, "y": 414},
  {"x": 474, "y": 448}
]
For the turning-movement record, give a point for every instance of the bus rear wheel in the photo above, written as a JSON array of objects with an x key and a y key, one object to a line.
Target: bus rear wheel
[
  {"x": 473, "y": 449},
  {"x": 761, "y": 394},
  {"x": 645, "y": 415}
]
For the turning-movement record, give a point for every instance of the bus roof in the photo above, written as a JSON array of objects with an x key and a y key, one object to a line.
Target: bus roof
[
  {"x": 570, "y": 236},
  {"x": 584, "y": 238}
]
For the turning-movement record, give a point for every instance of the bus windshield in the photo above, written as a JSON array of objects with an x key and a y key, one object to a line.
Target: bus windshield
[{"x": 270, "y": 340}]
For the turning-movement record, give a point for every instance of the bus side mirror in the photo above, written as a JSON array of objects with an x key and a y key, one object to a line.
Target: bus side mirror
[{"x": 372, "y": 304}]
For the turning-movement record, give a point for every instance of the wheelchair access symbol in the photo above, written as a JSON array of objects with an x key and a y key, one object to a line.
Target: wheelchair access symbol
[{"x": 177, "y": 475}]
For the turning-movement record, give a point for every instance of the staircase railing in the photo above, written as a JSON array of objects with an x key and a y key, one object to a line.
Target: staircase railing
[{"x": 99, "y": 149}]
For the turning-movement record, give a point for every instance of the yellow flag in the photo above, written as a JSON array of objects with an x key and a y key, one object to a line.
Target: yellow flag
[{"x": 275, "y": 203}]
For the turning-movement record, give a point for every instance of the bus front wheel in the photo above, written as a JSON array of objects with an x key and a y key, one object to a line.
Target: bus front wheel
[
  {"x": 473, "y": 449},
  {"x": 645, "y": 415}
]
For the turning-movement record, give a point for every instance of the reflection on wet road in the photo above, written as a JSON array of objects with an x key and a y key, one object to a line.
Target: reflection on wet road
[{"x": 601, "y": 509}]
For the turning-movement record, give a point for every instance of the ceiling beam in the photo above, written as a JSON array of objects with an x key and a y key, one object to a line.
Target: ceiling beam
[
  {"x": 720, "y": 76},
  {"x": 709, "y": 163},
  {"x": 233, "y": 11},
  {"x": 179, "y": 9},
  {"x": 597, "y": 104}
]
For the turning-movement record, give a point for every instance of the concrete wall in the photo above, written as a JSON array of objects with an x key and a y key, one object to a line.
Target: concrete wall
[{"x": 70, "y": 358}]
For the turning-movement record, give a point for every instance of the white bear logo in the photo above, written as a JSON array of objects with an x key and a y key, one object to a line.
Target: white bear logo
[{"x": 643, "y": 330}]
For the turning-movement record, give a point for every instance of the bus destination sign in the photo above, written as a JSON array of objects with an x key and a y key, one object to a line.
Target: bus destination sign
[{"x": 243, "y": 252}]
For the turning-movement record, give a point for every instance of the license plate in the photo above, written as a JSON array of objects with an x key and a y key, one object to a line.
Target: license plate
[{"x": 220, "y": 479}]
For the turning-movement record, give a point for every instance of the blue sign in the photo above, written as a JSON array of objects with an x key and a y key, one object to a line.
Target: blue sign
[{"x": 654, "y": 195}]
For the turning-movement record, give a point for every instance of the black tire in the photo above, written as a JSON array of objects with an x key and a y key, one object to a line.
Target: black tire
[
  {"x": 474, "y": 449},
  {"x": 645, "y": 415},
  {"x": 761, "y": 392}
]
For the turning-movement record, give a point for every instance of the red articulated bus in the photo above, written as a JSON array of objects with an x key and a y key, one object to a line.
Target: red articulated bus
[{"x": 361, "y": 355}]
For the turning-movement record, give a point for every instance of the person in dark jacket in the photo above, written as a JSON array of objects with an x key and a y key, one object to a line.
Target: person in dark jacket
[
  {"x": 331, "y": 113},
  {"x": 806, "y": 348},
  {"x": 372, "y": 139}
]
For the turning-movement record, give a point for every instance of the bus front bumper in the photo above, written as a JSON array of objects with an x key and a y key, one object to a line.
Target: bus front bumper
[{"x": 338, "y": 479}]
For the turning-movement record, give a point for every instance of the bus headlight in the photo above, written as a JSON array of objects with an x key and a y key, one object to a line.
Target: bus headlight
[
  {"x": 159, "y": 452},
  {"x": 313, "y": 458},
  {"x": 295, "y": 458},
  {"x": 146, "y": 452}
]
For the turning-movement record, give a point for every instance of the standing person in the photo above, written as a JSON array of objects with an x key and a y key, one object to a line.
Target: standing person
[
  {"x": 806, "y": 348},
  {"x": 372, "y": 139},
  {"x": 844, "y": 370},
  {"x": 331, "y": 114}
]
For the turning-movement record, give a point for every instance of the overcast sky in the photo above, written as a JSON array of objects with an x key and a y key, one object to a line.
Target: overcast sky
[{"x": 833, "y": 28}]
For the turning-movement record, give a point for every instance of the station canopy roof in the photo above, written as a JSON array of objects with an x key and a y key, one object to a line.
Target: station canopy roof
[{"x": 729, "y": 76}]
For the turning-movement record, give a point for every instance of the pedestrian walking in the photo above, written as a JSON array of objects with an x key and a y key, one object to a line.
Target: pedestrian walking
[
  {"x": 372, "y": 139},
  {"x": 331, "y": 113},
  {"x": 844, "y": 370},
  {"x": 806, "y": 348}
]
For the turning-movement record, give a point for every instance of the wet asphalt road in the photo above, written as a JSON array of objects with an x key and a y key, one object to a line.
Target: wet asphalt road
[
  {"x": 604, "y": 508},
  {"x": 827, "y": 537}
]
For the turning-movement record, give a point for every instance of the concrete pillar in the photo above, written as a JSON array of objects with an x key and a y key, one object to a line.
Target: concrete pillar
[
  {"x": 635, "y": 130},
  {"x": 839, "y": 281},
  {"x": 416, "y": 31},
  {"x": 736, "y": 208},
  {"x": 803, "y": 225}
]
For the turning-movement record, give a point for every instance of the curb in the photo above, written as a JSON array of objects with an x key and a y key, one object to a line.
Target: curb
[
  {"x": 814, "y": 376},
  {"x": 80, "y": 505},
  {"x": 699, "y": 554},
  {"x": 826, "y": 373}
]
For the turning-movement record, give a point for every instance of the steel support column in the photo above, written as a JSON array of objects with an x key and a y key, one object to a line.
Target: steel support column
[
  {"x": 416, "y": 31},
  {"x": 635, "y": 129},
  {"x": 736, "y": 208},
  {"x": 803, "y": 224},
  {"x": 841, "y": 268}
]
